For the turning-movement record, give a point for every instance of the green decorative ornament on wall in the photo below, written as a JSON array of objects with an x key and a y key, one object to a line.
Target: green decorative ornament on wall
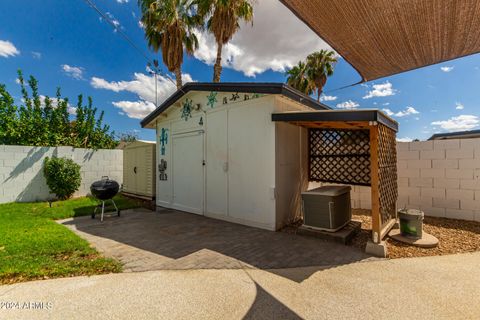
[
  {"x": 187, "y": 109},
  {"x": 212, "y": 99},
  {"x": 163, "y": 140}
]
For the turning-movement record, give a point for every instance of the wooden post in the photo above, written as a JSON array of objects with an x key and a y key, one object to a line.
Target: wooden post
[{"x": 374, "y": 171}]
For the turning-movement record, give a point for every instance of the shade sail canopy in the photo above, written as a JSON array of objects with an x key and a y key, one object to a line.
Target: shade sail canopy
[{"x": 384, "y": 37}]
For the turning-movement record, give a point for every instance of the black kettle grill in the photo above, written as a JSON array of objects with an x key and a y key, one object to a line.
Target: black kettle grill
[{"x": 104, "y": 189}]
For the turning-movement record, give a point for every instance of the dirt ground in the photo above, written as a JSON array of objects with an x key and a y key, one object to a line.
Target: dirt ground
[{"x": 455, "y": 236}]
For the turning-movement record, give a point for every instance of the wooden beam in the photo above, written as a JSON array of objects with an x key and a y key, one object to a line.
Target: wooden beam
[
  {"x": 374, "y": 171},
  {"x": 387, "y": 227}
]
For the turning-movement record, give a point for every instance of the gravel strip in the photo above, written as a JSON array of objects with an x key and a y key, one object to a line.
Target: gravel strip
[{"x": 455, "y": 236}]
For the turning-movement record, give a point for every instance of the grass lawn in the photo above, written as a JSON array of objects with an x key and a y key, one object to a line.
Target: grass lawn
[{"x": 33, "y": 246}]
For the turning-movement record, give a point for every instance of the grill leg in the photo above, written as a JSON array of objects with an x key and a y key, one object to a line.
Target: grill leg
[
  {"x": 118, "y": 211},
  {"x": 103, "y": 209},
  {"x": 94, "y": 211}
]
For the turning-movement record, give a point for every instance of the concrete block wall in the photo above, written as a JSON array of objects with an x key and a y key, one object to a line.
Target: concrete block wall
[
  {"x": 439, "y": 177},
  {"x": 21, "y": 170}
]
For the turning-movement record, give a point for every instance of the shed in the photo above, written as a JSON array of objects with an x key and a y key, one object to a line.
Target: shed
[
  {"x": 139, "y": 161},
  {"x": 244, "y": 152}
]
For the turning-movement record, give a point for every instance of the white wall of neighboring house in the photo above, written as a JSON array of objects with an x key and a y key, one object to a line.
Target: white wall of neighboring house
[
  {"x": 439, "y": 177},
  {"x": 21, "y": 170}
]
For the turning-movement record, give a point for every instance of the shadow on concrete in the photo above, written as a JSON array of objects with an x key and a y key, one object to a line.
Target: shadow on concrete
[
  {"x": 194, "y": 241},
  {"x": 266, "y": 306}
]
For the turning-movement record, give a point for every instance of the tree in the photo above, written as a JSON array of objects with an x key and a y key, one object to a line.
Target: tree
[
  {"x": 223, "y": 23},
  {"x": 8, "y": 118},
  {"x": 169, "y": 26},
  {"x": 311, "y": 76},
  {"x": 319, "y": 67},
  {"x": 297, "y": 78},
  {"x": 42, "y": 121},
  {"x": 128, "y": 136}
]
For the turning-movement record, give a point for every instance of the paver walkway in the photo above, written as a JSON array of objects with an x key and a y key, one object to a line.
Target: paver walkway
[{"x": 144, "y": 240}]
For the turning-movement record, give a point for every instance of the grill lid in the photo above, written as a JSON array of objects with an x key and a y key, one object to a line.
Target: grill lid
[{"x": 104, "y": 183}]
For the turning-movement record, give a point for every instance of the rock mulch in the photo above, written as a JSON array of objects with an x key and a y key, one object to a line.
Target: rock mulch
[{"x": 455, "y": 236}]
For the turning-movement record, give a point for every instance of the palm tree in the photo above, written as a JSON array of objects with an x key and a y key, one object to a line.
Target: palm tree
[
  {"x": 297, "y": 78},
  {"x": 224, "y": 17},
  {"x": 169, "y": 26},
  {"x": 320, "y": 66},
  {"x": 311, "y": 76}
]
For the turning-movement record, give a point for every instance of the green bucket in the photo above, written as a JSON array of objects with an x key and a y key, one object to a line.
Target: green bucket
[{"x": 411, "y": 223}]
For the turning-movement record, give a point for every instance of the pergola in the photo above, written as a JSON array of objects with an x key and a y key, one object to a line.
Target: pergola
[{"x": 356, "y": 147}]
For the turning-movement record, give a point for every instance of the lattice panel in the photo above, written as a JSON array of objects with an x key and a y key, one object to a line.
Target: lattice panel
[
  {"x": 387, "y": 158},
  {"x": 339, "y": 155}
]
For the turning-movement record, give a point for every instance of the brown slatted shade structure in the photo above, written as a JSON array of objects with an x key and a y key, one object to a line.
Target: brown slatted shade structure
[{"x": 380, "y": 38}]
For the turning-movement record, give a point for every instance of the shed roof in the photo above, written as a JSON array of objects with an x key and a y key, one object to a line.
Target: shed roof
[
  {"x": 347, "y": 118},
  {"x": 250, "y": 87},
  {"x": 384, "y": 37}
]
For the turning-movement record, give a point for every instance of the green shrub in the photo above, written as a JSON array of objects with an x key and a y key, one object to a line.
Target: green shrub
[{"x": 63, "y": 176}]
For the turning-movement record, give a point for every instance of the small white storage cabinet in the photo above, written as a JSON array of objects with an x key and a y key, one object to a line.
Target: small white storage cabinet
[{"x": 139, "y": 169}]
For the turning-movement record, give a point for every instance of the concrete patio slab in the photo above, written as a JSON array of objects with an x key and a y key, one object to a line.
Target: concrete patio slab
[
  {"x": 144, "y": 240},
  {"x": 443, "y": 287}
]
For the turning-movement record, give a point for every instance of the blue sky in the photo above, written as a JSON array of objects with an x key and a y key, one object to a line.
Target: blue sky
[{"x": 66, "y": 44}]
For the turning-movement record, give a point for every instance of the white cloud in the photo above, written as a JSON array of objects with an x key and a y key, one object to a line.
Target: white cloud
[
  {"x": 141, "y": 25},
  {"x": 386, "y": 104},
  {"x": 36, "y": 55},
  {"x": 277, "y": 41},
  {"x": 348, "y": 105},
  {"x": 122, "y": 1},
  {"x": 403, "y": 113},
  {"x": 113, "y": 20},
  {"x": 446, "y": 69},
  {"x": 381, "y": 90},
  {"x": 74, "y": 72},
  {"x": 459, "y": 106},
  {"x": 405, "y": 139},
  {"x": 7, "y": 49},
  {"x": 71, "y": 110},
  {"x": 462, "y": 122},
  {"x": 328, "y": 98},
  {"x": 142, "y": 85},
  {"x": 388, "y": 112},
  {"x": 135, "y": 109}
]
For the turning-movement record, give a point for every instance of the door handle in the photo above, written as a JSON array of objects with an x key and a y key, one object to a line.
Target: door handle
[{"x": 135, "y": 170}]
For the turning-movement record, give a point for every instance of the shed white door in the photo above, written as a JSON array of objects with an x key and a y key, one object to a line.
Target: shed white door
[{"x": 188, "y": 172}]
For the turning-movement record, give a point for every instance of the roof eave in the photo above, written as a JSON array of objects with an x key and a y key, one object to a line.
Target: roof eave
[{"x": 261, "y": 88}]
